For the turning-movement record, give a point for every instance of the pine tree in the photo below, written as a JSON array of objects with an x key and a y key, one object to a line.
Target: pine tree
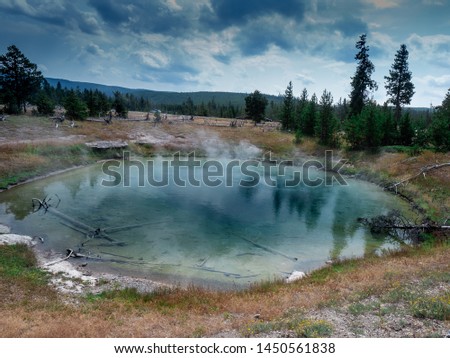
[
  {"x": 188, "y": 106},
  {"x": 75, "y": 106},
  {"x": 400, "y": 89},
  {"x": 255, "y": 106},
  {"x": 287, "y": 118},
  {"x": 326, "y": 123},
  {"x": 342, "y": 111},
  {"x": 310, "y": 116},
  {"x": 440, "y": 127},
  {"x": 300, "y": 109},
  {"x": 388, "y": 127},
  {"x": 354, "y": 132},
  {"x": 119, "y": 105},
  {"x": 19, "y": 79},
  {"x": 371, "y": 119},
  {"x": 406, "y": 132},
  {"x": 362, "y": 82},
  {"x": 44, "y": 103},
  {"x": 59, "y": 93}
]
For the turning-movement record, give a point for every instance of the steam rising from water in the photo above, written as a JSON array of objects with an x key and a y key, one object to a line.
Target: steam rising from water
[{"x": 215, "y": 147}]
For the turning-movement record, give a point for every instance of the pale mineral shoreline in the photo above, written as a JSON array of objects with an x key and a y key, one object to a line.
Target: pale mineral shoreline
[{"x": 72, "y": 279}]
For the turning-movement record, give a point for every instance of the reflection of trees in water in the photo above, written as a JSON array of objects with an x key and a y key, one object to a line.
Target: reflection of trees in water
[
  {"x": 18, "y": 202},
  {"x": 248, "y": 192},
  {"x": 340, "y": 228},
  {"x": 306, "y": 202},
  {"x": 73, "y": 185},
  {"x": 277, "y": 201},
  {"x": 93, "y": 176},
  {"x": 373, "y": 242},
  {"x": 318, "y": 198},
  {"x": 345, "y": 224}
]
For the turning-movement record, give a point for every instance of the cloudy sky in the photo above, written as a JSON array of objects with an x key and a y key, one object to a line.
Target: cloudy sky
[{"x": 231, "y": 45}]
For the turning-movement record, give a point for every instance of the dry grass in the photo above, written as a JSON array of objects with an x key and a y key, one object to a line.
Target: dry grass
[
  {"x": 431, "y": 193},
  {"x": 191, "y": 312}
]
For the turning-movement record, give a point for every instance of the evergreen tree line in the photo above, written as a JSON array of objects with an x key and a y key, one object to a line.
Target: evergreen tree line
[
  {"x": 79, "y": 104},
  {"x": 21, "y": 83},
  {"x": 360, "y": 122},
  {"x": 94, "y": 103},
  {"x": 334, "y": 125}
]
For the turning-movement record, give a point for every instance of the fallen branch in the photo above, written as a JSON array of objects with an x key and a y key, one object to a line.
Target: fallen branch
[
  {"x": 268, "y": 249},
  {"x": 422, "y": 172},
  {"x": 69, "y": 255},
  {"x": 396, "y": 225}
]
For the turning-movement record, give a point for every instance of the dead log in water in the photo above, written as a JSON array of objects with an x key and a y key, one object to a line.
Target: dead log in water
[
  {"x": 225, "y": 273},
  {"x": 268, "y": 249},
  {"x": 70, "y": 222},
  {"x": 79, "y": 226},
  {"x": 397, "y": 225},
  {"x": 128, "y": 227}
]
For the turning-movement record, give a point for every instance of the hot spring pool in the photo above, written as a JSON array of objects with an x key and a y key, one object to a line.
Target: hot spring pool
[{"x": 226, "y": 235}]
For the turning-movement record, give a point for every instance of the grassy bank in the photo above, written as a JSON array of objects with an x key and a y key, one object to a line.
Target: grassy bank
[{"x": 404, "y": 294}]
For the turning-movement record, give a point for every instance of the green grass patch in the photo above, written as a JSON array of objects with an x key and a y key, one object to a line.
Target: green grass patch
[
  {"x": 265, "y": 286},
  {"x": 129, "y": 295},
  {"x": 42, "y": 159},
  {"x": 323, "y": 274},
  {"x": 163, "y": 299},
  {"x": 15, "y": 178},
  {"x": 18, "y": 262}
]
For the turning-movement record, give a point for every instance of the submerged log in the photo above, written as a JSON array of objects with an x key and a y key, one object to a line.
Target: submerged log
[
  {"x": 225, "y": 273},
  {"x": 72, "y": 223},
  {"x": 79, "y": 226},
  {"x": 268, "y": 249},
  {"x": 128, "y": 227}
]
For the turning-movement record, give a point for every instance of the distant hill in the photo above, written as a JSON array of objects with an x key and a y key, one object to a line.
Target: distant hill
[{"x": 163, "y": 97}]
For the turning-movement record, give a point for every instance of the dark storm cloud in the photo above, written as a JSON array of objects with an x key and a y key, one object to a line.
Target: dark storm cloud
[
  {"x": 113, "y": 12},
  {"x": 62, "y": 14},
  {"x": 259, "y": 23},
  {"x": 146, "y": 16},
  {"x": 258, "y": 36},
  {"x": 33, "y": 9},
  {"x": 226, "y": 13}
]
